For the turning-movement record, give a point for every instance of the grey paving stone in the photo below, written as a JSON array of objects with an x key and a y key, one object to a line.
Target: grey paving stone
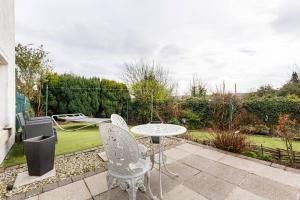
[
  {"x": 240, "y": 194},
  {"x": 209, "y": 186},
  {"x": 181, "y": 192},
  {"x": 227, "y": 173},
  {"x": 74, "y": 191},
  {"x": 268, "y": 189},
  {"x": 97, "y": 197},
  {"x": 65, "y": 182},
  {"x": 167, "y": 183},
  {"x": 50, "y": 186},
  {"x": 290, "y": 169},
  {"x": 197, "y": 162},
  {"x": 33, "y": 198},
  {"x": 118, "y": 194},
  {"x": 278, "y": 166},
  {"x": 97, "y": 183},
  {"x": 17, "y": 197},
  {"x": 100, "y": 170},
  {"x": 33, "y": 192},
  {"x": 77, "y": 178},
  {"x": 184, "y": 171},
  {"x": 88, "y": 174}
]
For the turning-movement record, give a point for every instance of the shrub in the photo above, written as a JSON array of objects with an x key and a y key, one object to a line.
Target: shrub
[
  {"x": 193, "y": 121},
  {"x": 250, "y": 154},
  {"x": 268, "y": 109},
  {"x": 286, "y": 130},
  {"x": 229, "y": 141},
  {"x": 198, "y": 106},
  {"x": 223, "y": 108}
]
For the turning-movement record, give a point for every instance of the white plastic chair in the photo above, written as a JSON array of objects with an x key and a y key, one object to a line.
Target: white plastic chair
[
  {"x": 126, "y": 168},
  {"x": 120, "y": 122}
]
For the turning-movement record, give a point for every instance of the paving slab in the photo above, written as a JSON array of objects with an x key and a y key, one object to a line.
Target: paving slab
[
  {"x": 268, "y": 189},
  {"x": 167, "y": 183},
  {"x": 181, "y": 192},
  {"x": 240, "y": 194},
  {"x": 73, "y": 191},
  {"x": 209, "y": 186},
  {"x": 247, "y": 165},
  {"x": 33, "y": 198},
  {"x": 103, "y": 156},
  {"x": 197, "y": 162},
  {"x": 118, "y": 194},
  {"x": 23, "y": 178},
  {"x": 176, "y": 154},
  {"x": 210, "y": 154},
  {"x": 184, "y": 171},
  {"x": 189, "y": 148},
  {"x": 227, "y": 173},
  {"x": 280, "y": 175},
  {"x": 97, "y": 184}
]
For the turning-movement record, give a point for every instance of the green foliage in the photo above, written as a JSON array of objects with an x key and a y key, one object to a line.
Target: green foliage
[
  {"x": 199, "y": 107},
  {"x": 91, "y": 96},
  {"x": 250, "y": 154},
  {"x": 290, "y": 89},
  {"x": 268, "y": 109},
  {"x": 266, "y": 90},
  {"x": 223, "y": 109},
  {"x": 33, "y": 67},
  {"x": 193, "y": 121}
]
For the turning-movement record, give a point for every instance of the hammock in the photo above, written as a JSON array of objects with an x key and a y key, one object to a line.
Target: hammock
[{"x": 77, "y": 117}]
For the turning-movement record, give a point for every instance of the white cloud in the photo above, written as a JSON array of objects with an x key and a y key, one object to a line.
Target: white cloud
[{"x": 245, "y": 42}]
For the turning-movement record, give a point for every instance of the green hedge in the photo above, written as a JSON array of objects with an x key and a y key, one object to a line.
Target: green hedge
[
  {"x": 91, "y": 96},
  {"x": 196, "y": 112},
  {"x": 268, "y": 109}
]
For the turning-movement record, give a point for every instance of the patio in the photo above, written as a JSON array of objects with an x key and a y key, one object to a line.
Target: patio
[{"x": 205, "y": 173}]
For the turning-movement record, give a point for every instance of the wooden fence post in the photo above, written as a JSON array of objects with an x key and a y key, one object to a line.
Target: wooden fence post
[
  {"x": 262, "y": 150},
  {"x": 279, "y": 154}
]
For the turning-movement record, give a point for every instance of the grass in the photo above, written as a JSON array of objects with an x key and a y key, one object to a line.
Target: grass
[
  {"x": 68, "y": 142},
  {"x": 272, "y": 142},
  {"x": 86, "y": 138}
]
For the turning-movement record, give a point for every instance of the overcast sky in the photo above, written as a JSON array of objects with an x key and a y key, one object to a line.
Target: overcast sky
[{"x": 248, "y": 42}]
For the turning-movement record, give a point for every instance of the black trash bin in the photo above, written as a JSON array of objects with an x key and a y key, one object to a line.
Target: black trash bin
[{"x": 39, "y": 152}]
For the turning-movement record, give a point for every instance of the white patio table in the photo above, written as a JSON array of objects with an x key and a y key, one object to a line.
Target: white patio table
[{"x": 159, "y": 130}]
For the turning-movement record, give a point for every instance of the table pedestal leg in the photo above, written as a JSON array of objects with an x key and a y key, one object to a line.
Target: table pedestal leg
[{"x": 159, "y": 168}]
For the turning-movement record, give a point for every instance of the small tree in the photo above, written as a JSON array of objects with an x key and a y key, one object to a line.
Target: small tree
[
  {"x": 197, "y": 87},
  {"x": 286, "y": 130},
  {"x": 33, "y": 67}
]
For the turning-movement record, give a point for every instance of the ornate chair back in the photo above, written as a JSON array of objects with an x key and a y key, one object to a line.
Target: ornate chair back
[
  {"x": 121, "y": 149},
  {"x": 119, "y": 121}
]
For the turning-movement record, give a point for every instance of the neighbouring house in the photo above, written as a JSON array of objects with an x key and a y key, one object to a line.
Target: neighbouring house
[{"x": 7, "y": 77}]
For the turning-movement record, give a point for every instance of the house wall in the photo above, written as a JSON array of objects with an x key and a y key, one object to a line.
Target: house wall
[{"x": 7, "y": 77}]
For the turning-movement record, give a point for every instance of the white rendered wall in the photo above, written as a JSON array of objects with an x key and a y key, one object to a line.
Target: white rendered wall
[{"x": 7, "y": 77}]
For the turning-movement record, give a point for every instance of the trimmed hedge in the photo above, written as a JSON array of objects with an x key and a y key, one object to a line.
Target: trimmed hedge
[
  {"x": 268, "y": 109},
  {"x": 91, "y": 96}
]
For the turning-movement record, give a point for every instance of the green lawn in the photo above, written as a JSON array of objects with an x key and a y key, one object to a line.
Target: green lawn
[
  {"x": 271, "y": 142},
  {"x": 67, "y": 142}
]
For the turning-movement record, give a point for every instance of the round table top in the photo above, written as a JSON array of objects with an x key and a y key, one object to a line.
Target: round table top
[{"x": 158, "y": 129}]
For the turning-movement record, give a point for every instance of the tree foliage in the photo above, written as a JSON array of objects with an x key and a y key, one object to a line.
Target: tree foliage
[
  {"x": 150, "y": 85},
  {"x": 69, "y": 93},
  {"x": 33, "y": 67}
]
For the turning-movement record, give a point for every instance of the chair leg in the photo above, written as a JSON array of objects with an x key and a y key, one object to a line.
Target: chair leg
[{"x": 132, "y": 190}]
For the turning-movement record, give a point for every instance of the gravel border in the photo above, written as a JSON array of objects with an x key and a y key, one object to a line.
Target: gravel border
[{"x": 69, "y": 168}]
